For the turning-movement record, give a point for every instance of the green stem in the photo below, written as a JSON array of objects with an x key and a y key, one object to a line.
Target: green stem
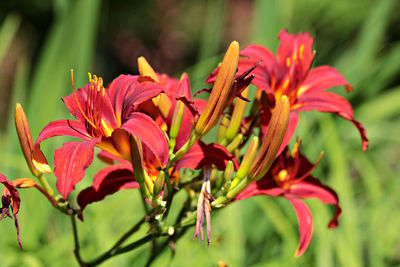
[
  {"x": 45, "y": 184},
  {"x": 232, "y": 193},
  {"x": 131, "y": 231},
  {"x": 76, "y": 242},
  {"x": 121, "y": 250},
  {"x": 181, "y": 152}
]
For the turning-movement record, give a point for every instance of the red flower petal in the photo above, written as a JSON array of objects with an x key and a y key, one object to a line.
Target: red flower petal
[
  {"x": 143, "y": 127},
  {"x": 201, "y": 155},
  {"x": 70, "y": 162},
  {"x": 63, "y": 128},
  {"x": 304, "y": 217},
  {"x": 72, "y": 106},
  {"x": 127, "y": 90},
  {"x": 106, "y": 182},
  {"x": 330, "y": 102},
  {"x": 298, "y": 49},
  {"x": 323, "y": 78},
  {"x": 313, "y": 188},
  {"x": 265, "y": 73},
  {"x": 264, "y": 186},
  {"x": 56, "y": 128}
]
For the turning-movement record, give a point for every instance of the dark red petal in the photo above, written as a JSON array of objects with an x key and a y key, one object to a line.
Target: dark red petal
[
  {"x": 304, "y": 217},
  {"x": 313, "y": 188},
  {"x": 127, "y": 90},
  {"x": 323, "y": 78},
  {"x": 330, "y": 102},
  {"x": 70, "y": 162},
  {"x": 144, "y": 127},
  {"x": 10, "y": 196},
  {"x": 106, "y": 182},
  {"x": 201, "y": 155},
  {"x": 11, "y": 191},
  {"x": 264, "y": 186}
]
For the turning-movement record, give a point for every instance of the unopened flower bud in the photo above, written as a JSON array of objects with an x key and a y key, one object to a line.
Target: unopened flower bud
[
  {"x": 146, "y": 185},
  {"x": 272, "y": 141},
  {"x": 222, "y": 130},
  {"x": 229, "y": 171},
  {"x": 159, "y": 183},
  {"x": 248, "y": 158},
  {"x": 235, "y": 143},
  {"x": 221, "y": 93},
  {"x": 146, "y": 70},
  {"x": 161, "y": 101},
  {"x": 237, "y": 116},
  {"x": 25, "y": 137},
  {"x": 177, "y": 116}
]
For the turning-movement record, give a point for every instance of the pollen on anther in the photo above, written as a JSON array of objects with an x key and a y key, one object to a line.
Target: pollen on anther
[
  {"x": 282, "y": 175},
  {"x": 301, "y": 49}
]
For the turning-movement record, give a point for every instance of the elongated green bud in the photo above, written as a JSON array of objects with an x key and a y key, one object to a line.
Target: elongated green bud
[
  {"x": 229, "y": 171},
  {"x": 237, "y": 116},
  {"x": 272, "y": 141},
  {"x": 222, "y": 130},
  {"x": 235, "y": 143},
  {"x": 176, "y": 120},
  {"x": 146, "y": 185},
  {"x": 248, "y": 158},
  {"x": 159, "y": 183}
]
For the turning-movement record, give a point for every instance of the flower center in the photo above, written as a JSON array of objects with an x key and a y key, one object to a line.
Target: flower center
[{"x": 95, "y": 99}]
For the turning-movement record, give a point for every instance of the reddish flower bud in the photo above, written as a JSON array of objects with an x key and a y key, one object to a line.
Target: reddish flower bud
[
  {"x": 221, "y": 93},
  {"x": 272, "y": 141},
  {"x": 26, "y": 142},
  {"x": 161, "y": 101}
]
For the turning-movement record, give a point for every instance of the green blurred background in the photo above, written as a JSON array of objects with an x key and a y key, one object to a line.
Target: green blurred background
[{"x": 41, "y": 40}]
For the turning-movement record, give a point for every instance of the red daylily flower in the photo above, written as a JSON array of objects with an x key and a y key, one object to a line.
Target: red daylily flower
[
  {"x": 116, "y": 177},
  {"x": 289, "y": 177},
  {"x": 105, "y": 118},
  {"x": 290, "y": 74}
]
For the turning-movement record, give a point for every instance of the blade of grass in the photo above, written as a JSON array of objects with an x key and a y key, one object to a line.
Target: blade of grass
[{"x": 348, "y": 240}]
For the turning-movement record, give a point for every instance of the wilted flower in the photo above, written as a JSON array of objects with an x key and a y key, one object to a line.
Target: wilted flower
[
  {"x": 204, "y": 207},
  {"x": 11, "y": 201}
]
